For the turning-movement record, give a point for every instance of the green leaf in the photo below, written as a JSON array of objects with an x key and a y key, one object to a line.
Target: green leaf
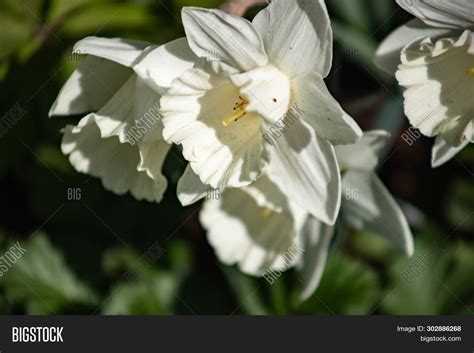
[
  {"x": 145, "y": 290},
  {"x": 347, "y": 287},
  {"x": 370, "y": 245},
  {"x": 416, "y": 283},
  {"x": 17, "y": 21},
  {"x": 460, "y": 210},
  {"x": 100, "y": 18},
  {"x": 154, "y": 295},
  {"x": 354, "y": 12},
  {"x": 246, "y": 291},
  {"x": 42, "y": 281},
  {"x": 358, "y": 47},
  {"x": 458, "y": 283}
]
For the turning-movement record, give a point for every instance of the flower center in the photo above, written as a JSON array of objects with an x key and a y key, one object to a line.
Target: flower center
[
  {"x": 469, "y": 71},
  {"x": 239, "y": 108}
]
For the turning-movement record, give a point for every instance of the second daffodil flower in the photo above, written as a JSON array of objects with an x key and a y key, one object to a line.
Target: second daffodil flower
[
  {"x": 263, "y": 232},
  {"x": 434, "y": 54},
  {"x": 252, "y": 76}
]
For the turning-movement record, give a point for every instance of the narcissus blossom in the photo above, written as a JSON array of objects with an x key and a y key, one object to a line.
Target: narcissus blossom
[
  {"x": 120, "y": 139},
  {"x": 434, "y": 55},
  {"x": 256, "y": 227},
  {"x": 262, "y": 231},
  {"x": 253, "y": 75}
]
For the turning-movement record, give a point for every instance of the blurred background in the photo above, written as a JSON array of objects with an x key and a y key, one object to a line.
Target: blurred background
[{"x": 88, "y": 251}]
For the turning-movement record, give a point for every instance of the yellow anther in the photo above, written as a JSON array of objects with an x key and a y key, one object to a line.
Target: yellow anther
[
  {"x": 469, "y": 71},
  {"x": 240, "y": 112}
]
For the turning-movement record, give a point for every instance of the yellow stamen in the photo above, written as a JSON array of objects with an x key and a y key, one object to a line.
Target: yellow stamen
[
  {"x": 234, "y": 117},
  {"x": 240, "y": 112},
  {"x": 266, "y": 212},
  {"x": 469, "y": 71}
]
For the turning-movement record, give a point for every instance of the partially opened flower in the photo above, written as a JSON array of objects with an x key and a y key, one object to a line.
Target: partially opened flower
[
  {"x": 366, "y": 204},
  {"x": 255, "y": 227},
  {"x": 255, "y": 76},
  {"x": 120, "y": 140},
  {"x": 435, "y": 58}
]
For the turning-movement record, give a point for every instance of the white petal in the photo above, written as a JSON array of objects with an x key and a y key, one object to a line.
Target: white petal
[
  {"x": 113, "y": 162},
  {"x": 243, "y": 233},
  {"x": 320, "y": 110},
  {"x": 439, "y": 82},
  {"x": 267, "y": 194},
  {"x": 268, "y": 91},
  {"x": 122, "y": 51},
  {"x": 442, "y": 152},
  {"x": 213, "y": 34},
  {"x": 160, "y": 66},
  {"x": 90, "y": 86},
  {"x": 316, "y": 239},
  {"x": 193, "y": 113},
  {"x": 447, "y": 14},
  {"x": 297, "y": 36},
  {"x": 368, "y": 204},
  {"x": 190, "y": 188},
  {"x": 305, "y": 168},
  {"x": 152, "y": 158},
  {"x": 132, "y": 114},
  {"x": 388, "y": 53},
  {"x": 364, "y": 154}
]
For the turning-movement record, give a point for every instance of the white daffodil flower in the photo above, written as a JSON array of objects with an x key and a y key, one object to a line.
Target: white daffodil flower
[
  {"x": 259, "y": 75},
  {"x": 434, "y": 54},
  {"x": 366, "y": 204},
  {"x": 119, "y": 85},
  {"x": 255, "y": 227},
  {"x": 258, "y": 228}
]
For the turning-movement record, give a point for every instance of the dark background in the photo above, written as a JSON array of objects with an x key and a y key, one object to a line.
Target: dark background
[{"x": 90, "y": 251}]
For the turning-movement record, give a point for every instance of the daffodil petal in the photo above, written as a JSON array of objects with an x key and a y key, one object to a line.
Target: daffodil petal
[
  {"x": 190, "y": 189},
  {"x": 267, "y": 90},
  {"x": 243, "y": 233},
  {"x": 152, "y": 158},
  {"x": 364, "y": 154},
  {"x": 122, "y": 51},
  {"x": 446, "y": 14},
  {"x": 90, "y": 86},
  {"x": 297, "y": 36},
  {"x": 316, "y": 238},
  {"x": 215, "y": 35},
  {"x": 267, "y": 194},
  {"x": 387, "y": 57},
  {"x": 368, "y": 204},
  {"x": 322, "y": 112},
  {"x": 113, "y": 162},
  {"x": 162, "y": 64},
  {"x": 305, "y": 168},
  {"x": 132, "y": 114},
  {"x": 442, "y": 152}
]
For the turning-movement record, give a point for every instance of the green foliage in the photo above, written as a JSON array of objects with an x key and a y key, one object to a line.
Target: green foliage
[
  {"x": 246, "y": 290},
  {"x": 143, "y": 289},
  {"x": 460, "y": 211},
  {"x": 435, "y": 281},
  {"x": 42, "y": 282},
  {"x": 347, "y": 287}
]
